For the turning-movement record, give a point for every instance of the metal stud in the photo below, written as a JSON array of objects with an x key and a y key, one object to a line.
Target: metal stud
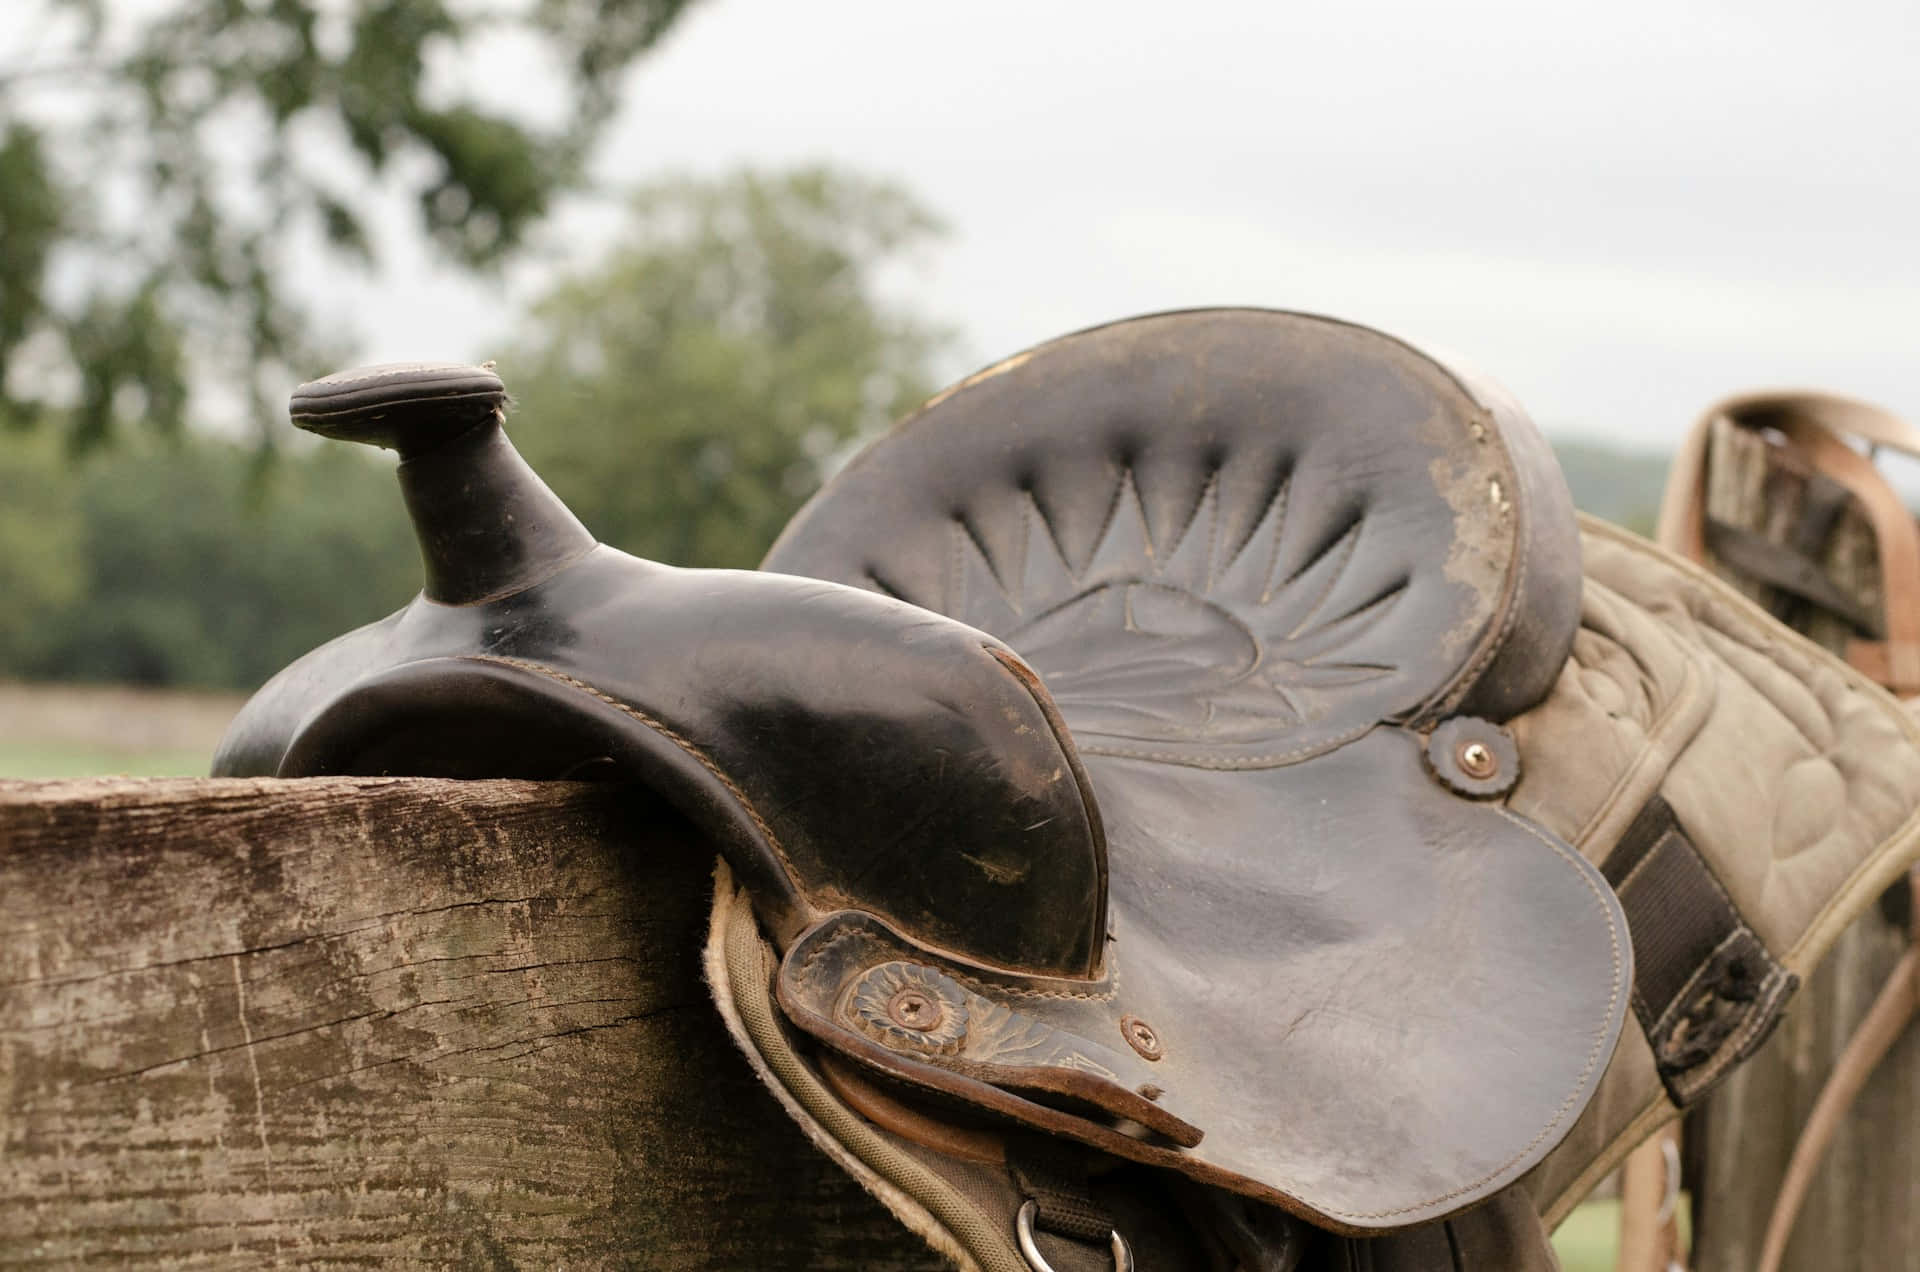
[
  {"x": 1477, "y": 760},
  {"x": 1141, "y": 1037}
]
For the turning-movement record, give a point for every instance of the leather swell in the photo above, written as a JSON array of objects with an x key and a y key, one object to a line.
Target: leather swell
[
  {"x": 936, "y": 1022},
  {"x": 880, "y": 757},
  {"x": 429, "y": 718}
]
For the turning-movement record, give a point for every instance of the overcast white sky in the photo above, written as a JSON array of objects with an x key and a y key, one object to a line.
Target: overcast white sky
[{"x": 1622, "y": 211}]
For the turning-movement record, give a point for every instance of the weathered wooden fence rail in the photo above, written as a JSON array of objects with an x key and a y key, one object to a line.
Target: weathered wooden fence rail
[
  {"x": 431, "y": 1023},
  {"x": 358, "y": 1022}
]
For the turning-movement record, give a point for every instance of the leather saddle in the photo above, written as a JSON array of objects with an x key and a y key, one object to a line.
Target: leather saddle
[{"x": 1109, "y": 765}]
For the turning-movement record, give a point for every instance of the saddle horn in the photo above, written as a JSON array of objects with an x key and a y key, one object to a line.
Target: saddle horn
[{"x": 488, "y": 527}]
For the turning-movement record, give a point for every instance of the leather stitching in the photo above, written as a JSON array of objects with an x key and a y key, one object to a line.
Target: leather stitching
[
  {"x": 1593, "y": 1054},
  {"x": 1236, "y": 761},
  {"x": 985, "y": 988},
  {"x": 685, "y": 744}
]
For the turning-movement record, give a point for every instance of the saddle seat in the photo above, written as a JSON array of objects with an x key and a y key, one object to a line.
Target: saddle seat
[{"x": 1127, "y": 770}]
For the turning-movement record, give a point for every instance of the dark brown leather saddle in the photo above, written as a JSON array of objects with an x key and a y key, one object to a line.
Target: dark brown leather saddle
[{"x": 1111, "y": 755}]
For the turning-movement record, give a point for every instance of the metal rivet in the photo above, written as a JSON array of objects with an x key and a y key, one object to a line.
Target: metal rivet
[
  {"x": 1141, "y": 1037},
  {"x": 1477, "y": 760},
  {"x": 913, "y": 1009}
]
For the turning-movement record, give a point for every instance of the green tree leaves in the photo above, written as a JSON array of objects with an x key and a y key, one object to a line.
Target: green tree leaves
[
  {"x": 31, "y": 216},
  {"x": 684, "y": 393},
  {"x": 158, "y": 168}
]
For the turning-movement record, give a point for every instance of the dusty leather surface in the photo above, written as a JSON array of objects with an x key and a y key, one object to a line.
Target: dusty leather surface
[{"x": 1240, "y": 548}]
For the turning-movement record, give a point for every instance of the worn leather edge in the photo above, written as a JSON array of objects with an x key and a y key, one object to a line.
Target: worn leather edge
[
  {"x": 1496, "y": 674},
  {"x": 380, "y": 385},
  {"x": 737, "y": 962}
]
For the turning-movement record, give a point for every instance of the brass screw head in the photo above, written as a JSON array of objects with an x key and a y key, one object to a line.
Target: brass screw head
[
  {"x": 1141, "y": 1037},
  {"x": 1477, "y": 760},
  {"x": 914, "y": 1009}
]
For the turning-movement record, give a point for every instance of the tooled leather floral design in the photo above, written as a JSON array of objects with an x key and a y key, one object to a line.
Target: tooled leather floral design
[
  {"x": 909, "y": 1007},
  {"x": 1200, "y": 640}
]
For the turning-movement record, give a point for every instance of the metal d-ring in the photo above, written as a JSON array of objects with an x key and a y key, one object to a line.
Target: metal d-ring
[{"x": 1023, "y": 1229}]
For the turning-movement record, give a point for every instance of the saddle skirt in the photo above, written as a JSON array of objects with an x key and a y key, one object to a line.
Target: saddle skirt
[{"x": 1193, "y": 742}]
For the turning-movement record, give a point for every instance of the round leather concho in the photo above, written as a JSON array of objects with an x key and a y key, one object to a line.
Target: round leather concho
[
  {"x": 1474, "y": 757},
  {"x": 909, "y": 1007}
]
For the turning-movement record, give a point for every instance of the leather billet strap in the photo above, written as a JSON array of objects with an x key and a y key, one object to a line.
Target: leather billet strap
[
  {"x": 1701, "y": 976},
  {"x": 1815, "y": 426}
]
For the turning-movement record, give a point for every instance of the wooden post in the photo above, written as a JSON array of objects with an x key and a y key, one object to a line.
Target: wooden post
[
  {"x": 246, "y": 1023},
  {"x": 1864, "y": 1209}
]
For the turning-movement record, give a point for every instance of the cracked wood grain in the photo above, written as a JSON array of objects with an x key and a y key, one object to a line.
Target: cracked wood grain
[{"x": 358, "y": 1022}]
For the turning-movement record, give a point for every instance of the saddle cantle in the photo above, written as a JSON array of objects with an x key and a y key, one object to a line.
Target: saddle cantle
[{"x": 1129, "y": 797}]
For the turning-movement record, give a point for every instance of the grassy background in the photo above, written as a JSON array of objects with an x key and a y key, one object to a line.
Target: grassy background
[{"x": 96, "y": 730}]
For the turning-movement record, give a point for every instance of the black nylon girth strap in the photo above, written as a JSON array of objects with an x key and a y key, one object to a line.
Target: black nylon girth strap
[
  {"x": 1054, "y": 1176},
  {"x": 1705, "y": 990}
]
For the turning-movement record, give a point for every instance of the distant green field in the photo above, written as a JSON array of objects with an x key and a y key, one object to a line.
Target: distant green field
[
  {"x": 64, "y": 730},
  {"x": 1587, "y": 1240},
  {"x": 68, "y": 759}
]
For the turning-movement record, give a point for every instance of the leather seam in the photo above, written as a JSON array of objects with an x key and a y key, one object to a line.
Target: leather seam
[
  {"x": 1280, "y": 498},
  {"x": 1235, "y": 762},
  {"x": 820, "y": 950},
  {"x": 986, "y": 989},
  {"x": 685, "y": 744},
  {"x": 1113, "y": 510},
  {"x": 1211, "y": 491},
  {"x": 1059, "y": 549},
  {"x": 1593, "y": 1054},
  {"x": 1348, "y": 546}
]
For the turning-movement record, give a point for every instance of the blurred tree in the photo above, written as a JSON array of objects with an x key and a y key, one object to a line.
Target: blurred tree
[
  {"x": 151, "y": 565},
  {"x": 43, "y": 567},
  {"x": 157, "y": 160},
  {"x": 685, "y": 393}
]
